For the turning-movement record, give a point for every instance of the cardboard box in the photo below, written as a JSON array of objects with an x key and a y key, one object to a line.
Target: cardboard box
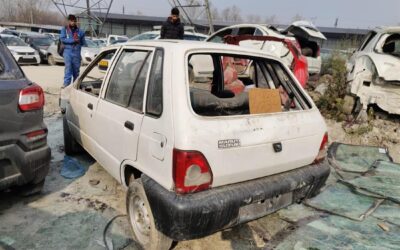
[{"x": 263, "y": 101}]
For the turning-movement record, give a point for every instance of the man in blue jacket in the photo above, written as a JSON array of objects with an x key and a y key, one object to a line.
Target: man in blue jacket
[{"x": 73, "y": 39}]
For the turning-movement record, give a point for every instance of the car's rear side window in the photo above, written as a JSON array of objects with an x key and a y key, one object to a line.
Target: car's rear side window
[
  {"x": 154, "y": 105},
  {"x": 223, "y": 85}
]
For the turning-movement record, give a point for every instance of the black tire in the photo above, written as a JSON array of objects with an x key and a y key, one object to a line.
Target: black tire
[
  {"x": 51, "y": 61},
  {"x": 71, "y": 147},
  {"x": 30, "y": 189},
  {"x": 141, "y": 219}
]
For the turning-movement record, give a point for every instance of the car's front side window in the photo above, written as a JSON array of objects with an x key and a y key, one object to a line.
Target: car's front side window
[
  {"x": 93, "y": 77},
  {"x": 126, "y": 85}
]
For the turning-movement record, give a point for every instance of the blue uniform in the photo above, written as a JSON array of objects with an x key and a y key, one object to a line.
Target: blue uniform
[{"x": 72, "y": 52}]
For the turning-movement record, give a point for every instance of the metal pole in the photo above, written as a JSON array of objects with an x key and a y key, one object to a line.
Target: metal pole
[
  {"x": 89, "y": 19},
  {"x": 210, "y": 21}
]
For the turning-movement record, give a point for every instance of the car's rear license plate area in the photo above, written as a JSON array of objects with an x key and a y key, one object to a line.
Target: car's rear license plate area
[{"x": 263, "y": 207}]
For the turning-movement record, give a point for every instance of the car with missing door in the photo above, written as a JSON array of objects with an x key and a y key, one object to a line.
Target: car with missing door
[
  {"x": 24, "y": 153},
  {"x": 196, "y": 155}
]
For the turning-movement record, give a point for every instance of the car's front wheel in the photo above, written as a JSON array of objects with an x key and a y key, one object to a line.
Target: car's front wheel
[
  {"x": 70, "y": 145},
  {"x": 141, "y": 219},
  {"x": 50, "y": 60}
]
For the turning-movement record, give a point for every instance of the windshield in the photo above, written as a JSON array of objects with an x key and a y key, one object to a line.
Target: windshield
[
  {"x": 148, "y": 36},
  {"x": 41, "y": 41},
  {"x": 91, "y": 44},
  {"x": 13, "y": 41}
]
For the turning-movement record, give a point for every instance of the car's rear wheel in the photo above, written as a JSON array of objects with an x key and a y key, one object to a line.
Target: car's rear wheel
[
  {"x": 50, "y": 60},
  {"x": 141, "y": 219},
  {"x": 71, "y": 147}
]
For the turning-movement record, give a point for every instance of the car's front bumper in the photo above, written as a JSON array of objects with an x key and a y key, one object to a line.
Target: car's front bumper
[
  {"x": 19, "y": 167},
  {"x": 31, "y": 59},
  {"x": 184, "y": 217}
]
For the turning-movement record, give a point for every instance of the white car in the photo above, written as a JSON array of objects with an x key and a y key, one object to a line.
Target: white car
[
  {"x": 374, "y": 71},
  {"x": 22, "y": 52},
  {"x": 196, "y": 157},
  {"x": 88, "y": 53},
  {"x": 306, "y": 34},
  {"x": 155, "y": 35},
  {"x": 112, "y": 39}
]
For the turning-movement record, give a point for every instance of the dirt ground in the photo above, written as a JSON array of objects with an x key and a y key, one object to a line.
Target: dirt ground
[{"x": 72, "y": 214}]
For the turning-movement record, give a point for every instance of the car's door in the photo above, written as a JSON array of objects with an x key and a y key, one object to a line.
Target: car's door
[
  {"x": 119, "y": 112},
  {"x": 83, "y": 100}
]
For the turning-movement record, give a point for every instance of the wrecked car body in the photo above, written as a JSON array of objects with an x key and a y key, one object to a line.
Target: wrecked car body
[
  {"x": 197, "y": 155},
  {"x": 302, "y": 34},
  {"x": 374, "y": 71}
]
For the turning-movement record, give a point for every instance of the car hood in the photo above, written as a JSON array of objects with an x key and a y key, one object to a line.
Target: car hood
[
  {"x": 305, "y": 30},
  {"x": 22, "y": 49},
  {"x": 387, "y": 66}
]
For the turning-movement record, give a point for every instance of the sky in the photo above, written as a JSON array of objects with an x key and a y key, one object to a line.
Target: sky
[{"x": 351, "y": 13}]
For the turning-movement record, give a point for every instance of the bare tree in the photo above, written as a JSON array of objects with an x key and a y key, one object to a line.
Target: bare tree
[
  {"x": 29, "y": 11},
  {"x": 254, "y": 19},
  {"x": 297, "y": 17},
  {"x": 271, "y": 20},
  {"x": 231, "y": 14}
]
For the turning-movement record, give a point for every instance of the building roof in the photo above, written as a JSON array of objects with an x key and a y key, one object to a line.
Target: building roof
[
  {"x": 40, "y": 26},
  {"x": 220, "y": 24}
]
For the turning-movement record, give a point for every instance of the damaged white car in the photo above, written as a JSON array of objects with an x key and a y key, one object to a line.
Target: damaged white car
[
  {"x": 374, "y": 72},
  {"x": 196, "y": 155}
]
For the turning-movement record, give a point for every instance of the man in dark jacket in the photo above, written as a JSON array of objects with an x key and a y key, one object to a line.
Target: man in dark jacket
[{"x": 172, "y": 28}]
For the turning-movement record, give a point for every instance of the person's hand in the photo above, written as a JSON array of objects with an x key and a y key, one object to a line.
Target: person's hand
[{"x": 76, "y": 37}]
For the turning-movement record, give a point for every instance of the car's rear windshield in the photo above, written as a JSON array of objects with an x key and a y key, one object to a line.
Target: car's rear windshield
[
  {"x": 9, "y": 70},
  {"x": 225, "y": 85}
]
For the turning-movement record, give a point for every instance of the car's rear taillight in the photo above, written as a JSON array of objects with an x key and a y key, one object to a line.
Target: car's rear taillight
[
  {"x": 323, "y": 149},
  {"x": 191, "y": 172},
  {"x": 36, "y": 135},
  {"x": 31, "y": 98}
]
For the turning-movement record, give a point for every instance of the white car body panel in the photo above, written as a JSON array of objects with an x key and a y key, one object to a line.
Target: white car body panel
[
  {"x": 149, "y": 148},
  {"x": 373, "y": 75}
]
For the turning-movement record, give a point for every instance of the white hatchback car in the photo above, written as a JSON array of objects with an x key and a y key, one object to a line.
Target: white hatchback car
[
  {"x": 21, "y": 51},
  {"x": 196, "y": 156}
]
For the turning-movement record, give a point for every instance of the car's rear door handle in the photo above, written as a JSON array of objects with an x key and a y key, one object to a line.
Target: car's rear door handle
[
  {"x": 90, "y": 106},
  {"x": 129, "y": 125}
]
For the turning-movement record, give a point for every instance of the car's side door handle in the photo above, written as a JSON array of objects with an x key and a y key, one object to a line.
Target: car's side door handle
[
  {"x": 90, "y": 106},
  {"x": 129, "y": 125},
  {"x": 277, "y": 147}
]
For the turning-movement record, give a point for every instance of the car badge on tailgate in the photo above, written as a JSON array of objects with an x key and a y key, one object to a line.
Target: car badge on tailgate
[{"x": 230, "y": 143}]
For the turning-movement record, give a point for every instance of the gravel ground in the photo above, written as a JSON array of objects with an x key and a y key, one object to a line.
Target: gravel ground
[{"x": 71, "y": 214}]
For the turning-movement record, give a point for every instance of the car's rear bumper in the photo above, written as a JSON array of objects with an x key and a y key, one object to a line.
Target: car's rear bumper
[
  {"x": 19, "y": 167},
  {"x": 184, "y": 217}
]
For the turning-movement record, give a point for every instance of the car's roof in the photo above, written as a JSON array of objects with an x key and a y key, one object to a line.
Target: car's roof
[
  {"x": 264, "y": 27},
  {"x": 7, "y": 35},
  {"x": 389, "y": 29},
  {"x": 186, "y": 45},
  {"x": 157, "y": 32}
]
